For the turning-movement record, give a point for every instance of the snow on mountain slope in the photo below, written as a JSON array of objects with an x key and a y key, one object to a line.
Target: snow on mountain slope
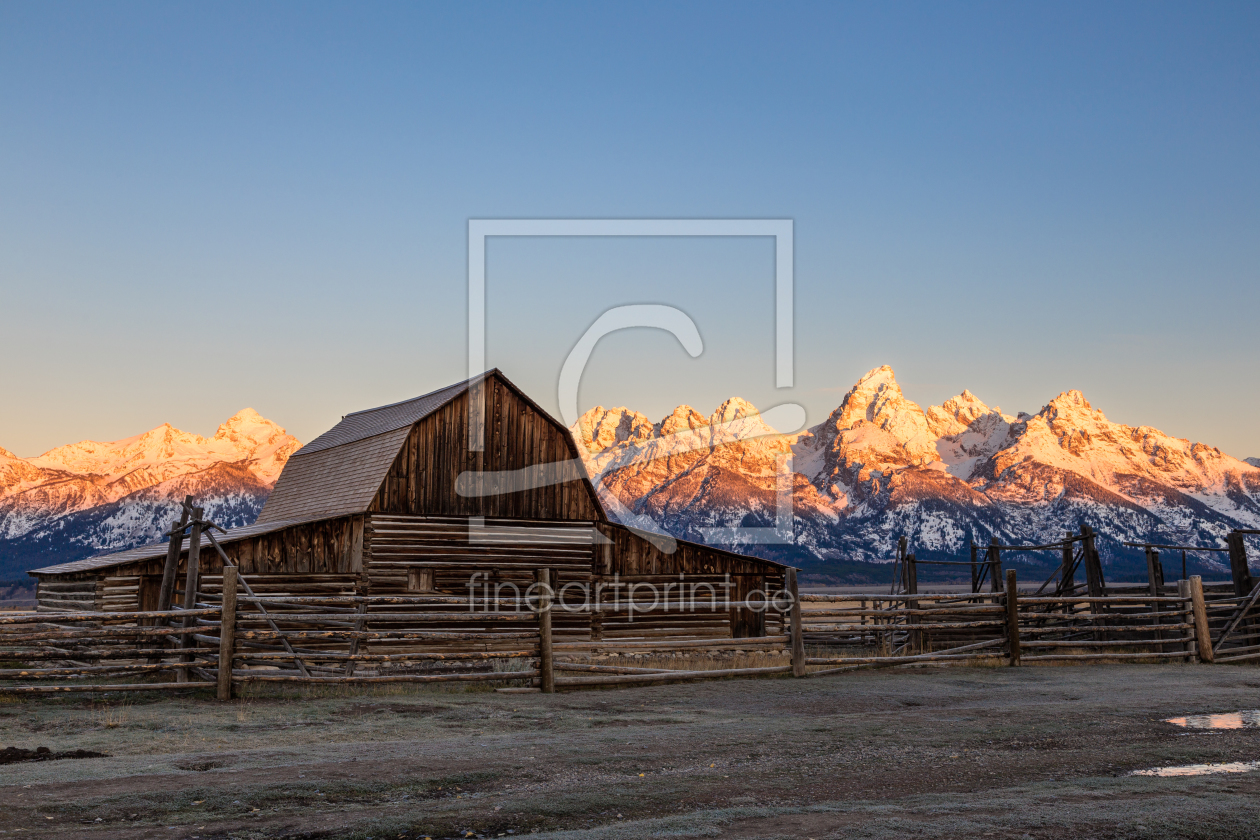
[
  {"x": 880, "y": 466},
  {"x": 724, "y": 464},
  {"x": 77, "y": 500},
  {"x": 968, "y": 432}
]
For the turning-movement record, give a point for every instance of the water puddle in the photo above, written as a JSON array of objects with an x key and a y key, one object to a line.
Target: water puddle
[
  {"x": 1200, "y": 769},
  {"x": 1246, "y": 719}
]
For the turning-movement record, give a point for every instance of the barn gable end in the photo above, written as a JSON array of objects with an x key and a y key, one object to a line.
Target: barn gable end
[
  {"x": 423, "y": 477},
  {"x": 406, "y": 458}
]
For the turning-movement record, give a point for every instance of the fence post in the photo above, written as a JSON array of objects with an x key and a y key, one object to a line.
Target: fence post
[
  {"x": 171, "y": 570},
  {"x": 864, "y": 622},
  {"x": 1183, "y": 592},
  {"x": 898, "y": 573},
  {"x": 1155, "y": 579},
  {"x": 995, "y": 565},
  {"x": 360, "y": 615},
  {"x": 1154, "y": 571},
  {"x": 1012, "y": 616},
  {"x": 798, "y": 635},
  {"x": 1067, "y": 577},
  {"x": 1202, "y": 635},
  {"x": 191, "y": 582},
  {"x": 546, "y": 664},
  {"x": 1093, "y": 564},
  {"x": 975, "y": 568},
  {"x": 1239, "y": 571},
  {"x": 914, "y": 638},
  {"x": 227, "y": 633}
]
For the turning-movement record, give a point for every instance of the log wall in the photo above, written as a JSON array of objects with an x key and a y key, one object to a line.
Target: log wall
[
  {"x": 633, "y": 558},
  {"x": 597, "y": 567},
  {"x": 498, "y": 557},
  {"x": 296, "y": 559}
]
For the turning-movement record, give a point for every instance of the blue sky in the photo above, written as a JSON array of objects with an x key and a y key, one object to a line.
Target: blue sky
[{"x": 272, "y": 200}]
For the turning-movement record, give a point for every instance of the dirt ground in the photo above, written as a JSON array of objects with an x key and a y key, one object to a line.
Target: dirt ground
[{"x": 950, "y": 753}]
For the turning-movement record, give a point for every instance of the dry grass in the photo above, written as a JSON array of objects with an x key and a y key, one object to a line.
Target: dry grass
[{"x": 111, "y": 716}]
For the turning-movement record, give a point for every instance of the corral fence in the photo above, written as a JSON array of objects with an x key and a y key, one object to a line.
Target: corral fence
[{"x": 231, "y": 637}]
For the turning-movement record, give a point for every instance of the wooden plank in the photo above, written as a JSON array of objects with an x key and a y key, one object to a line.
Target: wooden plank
[
  {"x": 61, "y": 689},
  {"x": 227, "y": 634},
  {"x": 1012, "y": 617},
  {"x": 191, "y": 580},
  {"x": 507, "y": 676},
  {"x": 545, "y": 651},
  {"x": 1202, "y": 635},
  {"x": 1095, "y": 582},
  {"x": 673, "y": 676},
  {"x": 95, "y": 616},
  {"x": 171, "y": 568},
  {"x": 798, "y": 633},
  {"x": 677, "y": 644}
]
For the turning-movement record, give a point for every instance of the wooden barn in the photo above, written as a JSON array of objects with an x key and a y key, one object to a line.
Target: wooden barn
[{"x": 376, "y": 506}]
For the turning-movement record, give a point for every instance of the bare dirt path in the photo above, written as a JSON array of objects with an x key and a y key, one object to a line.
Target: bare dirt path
[{"x": 961, "y": 752}]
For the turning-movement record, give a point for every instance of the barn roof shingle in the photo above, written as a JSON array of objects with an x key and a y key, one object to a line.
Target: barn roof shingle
[
  {"x": 342, "y": 479},
  {"x": 386, "y": 418}
]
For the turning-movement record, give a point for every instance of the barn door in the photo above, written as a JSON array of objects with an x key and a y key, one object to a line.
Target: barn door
[
  {"x": 150, "y": 587},
  {"x": 748, "y": 623}
]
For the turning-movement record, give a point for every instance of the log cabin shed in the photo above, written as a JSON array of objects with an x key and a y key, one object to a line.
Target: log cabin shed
[{"x": 371, "y": 507}]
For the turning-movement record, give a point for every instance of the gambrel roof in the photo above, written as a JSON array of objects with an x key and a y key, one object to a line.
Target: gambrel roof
[{"x": 341, "y": 471}]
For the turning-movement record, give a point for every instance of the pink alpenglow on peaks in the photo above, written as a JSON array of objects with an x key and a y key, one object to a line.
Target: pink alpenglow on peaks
[
  {"x": 880, "y": 466},
  {"x": 93, "y": 496}
]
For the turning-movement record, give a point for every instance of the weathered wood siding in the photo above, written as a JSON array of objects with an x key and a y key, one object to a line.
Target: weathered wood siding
[
  {"x": 313, "y": 558},
  {"x": 497, "y": 557},
  {"x": 327, "y": 547},
  {"x": 422, "y": 480},
  {"x": 68, "y": 593},
  {"x": 633, "y": 558}
]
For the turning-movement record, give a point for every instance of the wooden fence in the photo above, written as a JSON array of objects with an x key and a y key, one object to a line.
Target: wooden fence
[{"x": 231, "y": 639}]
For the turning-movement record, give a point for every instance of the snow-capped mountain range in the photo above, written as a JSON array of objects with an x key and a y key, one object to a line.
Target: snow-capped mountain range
[
  {"x": 880, "y": 466},
  {"x": 78, "y": 500},
  {"x": 877, "y": 468}
]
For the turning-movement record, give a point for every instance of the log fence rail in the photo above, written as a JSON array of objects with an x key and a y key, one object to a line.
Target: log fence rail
[{"x": 229, "y": 639}]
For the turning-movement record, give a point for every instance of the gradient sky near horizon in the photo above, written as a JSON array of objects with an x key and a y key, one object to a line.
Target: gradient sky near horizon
[{"x": 211, "y": 206}]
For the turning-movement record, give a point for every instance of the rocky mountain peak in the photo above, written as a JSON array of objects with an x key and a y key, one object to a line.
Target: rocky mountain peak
[
  {"x": 4, "y": 453},
  {"x": 881, "y": 466},
  {"x": 600, "y": 428},
  {"x": 735, "y": 408},
  {"x": 877, "y": 399},
  {"x": 247, "y": 428},
  {"x": 1072, "y": 406},
  {"x": 956, "y": 414},
  {"x": 876, "y": 390},
  {"x": 683, "y": 419}
]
